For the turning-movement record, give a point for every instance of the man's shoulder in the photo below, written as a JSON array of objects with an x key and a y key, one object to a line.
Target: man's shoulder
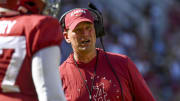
[
  {"x": 66, "y": 67},
  {"x": 40, "y": 31},
  {"x": 118, "y": 57},
  {"x": 122, "y": 56},
  {"x": 67, "y": 62},
  {"x": 115, "y": 56}
]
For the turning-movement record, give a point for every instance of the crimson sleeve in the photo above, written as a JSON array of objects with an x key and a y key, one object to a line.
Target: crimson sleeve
[
  {"x": 46, "y": 32},
  {"x": 140, "y": 90}
]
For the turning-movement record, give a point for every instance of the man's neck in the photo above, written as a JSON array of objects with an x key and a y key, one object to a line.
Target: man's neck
[{"x": 84, "y": 57}]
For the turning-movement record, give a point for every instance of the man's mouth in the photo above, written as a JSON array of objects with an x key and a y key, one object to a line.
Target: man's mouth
[{"x": 85, "y": 42}]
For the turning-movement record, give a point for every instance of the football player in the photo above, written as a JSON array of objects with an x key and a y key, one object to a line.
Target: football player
[{"x": 29, "y": 52}]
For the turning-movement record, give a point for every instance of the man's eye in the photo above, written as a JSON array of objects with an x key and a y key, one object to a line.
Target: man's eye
[
  {"x": 88, "y": 28},
  {"x": 77, "y": 30}
]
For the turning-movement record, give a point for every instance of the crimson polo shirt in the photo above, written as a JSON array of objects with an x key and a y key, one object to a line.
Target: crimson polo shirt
[{"x": 105, "y": 87}]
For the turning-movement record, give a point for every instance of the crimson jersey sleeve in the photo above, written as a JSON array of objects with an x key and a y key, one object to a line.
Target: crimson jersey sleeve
[
  {"x": 43, "y": 33},
  {"x": 140, "y": 90}
]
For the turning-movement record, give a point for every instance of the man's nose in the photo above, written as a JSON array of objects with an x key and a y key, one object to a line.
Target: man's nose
[{"x": 85, "y": 32}]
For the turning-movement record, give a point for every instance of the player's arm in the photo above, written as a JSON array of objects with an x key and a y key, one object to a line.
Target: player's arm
[{"x": 46, "y": 75}]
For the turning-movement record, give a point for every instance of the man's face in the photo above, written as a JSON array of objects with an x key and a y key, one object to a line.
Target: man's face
[{"x": 82, "y": 38}]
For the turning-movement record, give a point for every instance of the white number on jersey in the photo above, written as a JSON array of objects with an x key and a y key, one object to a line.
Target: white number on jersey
[
  {"x": 6, "y": 26},
  {"x": 12, "y": 48}
]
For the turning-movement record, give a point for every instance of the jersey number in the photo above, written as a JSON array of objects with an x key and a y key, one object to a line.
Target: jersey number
[{"x": 12, "y": 54}]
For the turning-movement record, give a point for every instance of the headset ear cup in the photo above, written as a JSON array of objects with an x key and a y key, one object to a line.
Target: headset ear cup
[
  {"x": 98, "y": 22},
  {"x": 99, "y": 28},
  {"x": 96, "y": 26}
]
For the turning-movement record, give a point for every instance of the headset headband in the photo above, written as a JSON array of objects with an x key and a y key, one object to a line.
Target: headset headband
[{"x": 98, "y": 21}]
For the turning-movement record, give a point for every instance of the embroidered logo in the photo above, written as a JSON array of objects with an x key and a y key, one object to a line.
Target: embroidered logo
[
  {"x": 100, "y": 94},
  {"x": 77, "y": 12}
]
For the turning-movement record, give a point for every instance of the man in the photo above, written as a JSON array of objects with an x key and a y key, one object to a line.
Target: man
[
  {"x": 29, "y": 52},
  {"x": 91, "y": 74}
]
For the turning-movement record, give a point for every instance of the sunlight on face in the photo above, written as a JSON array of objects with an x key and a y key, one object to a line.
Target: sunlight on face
[{"x": 83, "y": 37}]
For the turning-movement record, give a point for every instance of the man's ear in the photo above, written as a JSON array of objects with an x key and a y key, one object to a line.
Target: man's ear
[{"x": 66, "y": 37}]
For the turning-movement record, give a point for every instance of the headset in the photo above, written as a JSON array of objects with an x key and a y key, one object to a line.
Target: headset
[{"x": 97, "y": 16}]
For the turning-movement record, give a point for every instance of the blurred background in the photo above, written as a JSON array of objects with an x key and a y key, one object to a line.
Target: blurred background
[{"x": 148, "y": 31}]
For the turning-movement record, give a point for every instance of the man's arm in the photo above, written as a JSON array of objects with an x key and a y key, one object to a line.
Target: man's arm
[
  {"x": 46, "y": 75},
  {"x": 140, "y": 90}
]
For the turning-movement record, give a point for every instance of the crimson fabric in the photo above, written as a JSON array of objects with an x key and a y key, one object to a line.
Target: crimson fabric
[
  {"x": 39, "y": 32},
  {"x": 76, "y": 16},
  {"x": 106, "y": 87}
]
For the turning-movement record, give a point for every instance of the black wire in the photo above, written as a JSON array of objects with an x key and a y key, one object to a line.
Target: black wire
[
  {"x": 96, "y": 65},
  {"x": 89, "y": 91},
  {"x": 112, "y": 69}
]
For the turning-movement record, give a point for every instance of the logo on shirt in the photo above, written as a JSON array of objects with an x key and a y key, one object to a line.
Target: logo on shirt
[{"x": 100, "y": 94}]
